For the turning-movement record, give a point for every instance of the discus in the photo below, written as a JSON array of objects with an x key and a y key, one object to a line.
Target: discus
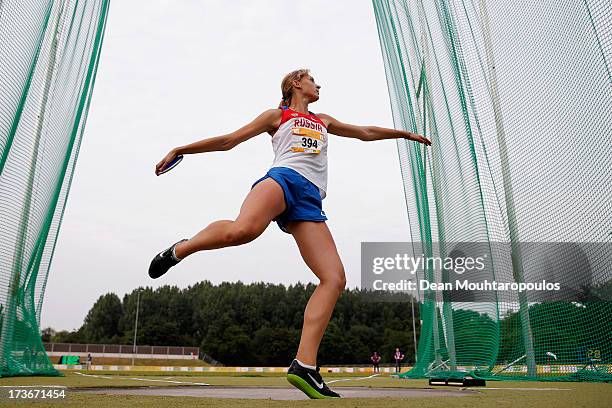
[{"x": 172, "y": 164}]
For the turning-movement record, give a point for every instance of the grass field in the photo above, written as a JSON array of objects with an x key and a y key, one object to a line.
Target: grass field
[{"x": 496, "y": 394}]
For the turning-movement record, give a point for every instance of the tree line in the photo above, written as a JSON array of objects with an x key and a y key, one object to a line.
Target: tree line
[{"x": 249, "y": 324}]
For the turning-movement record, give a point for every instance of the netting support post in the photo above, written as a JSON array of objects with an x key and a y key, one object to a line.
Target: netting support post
[
  {"x": 446, "y": 313},
  {"x": 517, "y": 266},
  {"x": 414, "y": 329}
]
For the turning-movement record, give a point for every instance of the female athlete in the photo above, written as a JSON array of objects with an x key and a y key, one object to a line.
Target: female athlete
[{"x": 290, "y": 193}]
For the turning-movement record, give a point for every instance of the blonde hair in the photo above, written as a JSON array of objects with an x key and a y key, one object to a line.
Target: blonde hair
[{"x": 287, "y": 85}]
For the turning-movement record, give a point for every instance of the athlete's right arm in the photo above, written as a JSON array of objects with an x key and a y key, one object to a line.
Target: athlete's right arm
[{"x": 266, "y": 122}]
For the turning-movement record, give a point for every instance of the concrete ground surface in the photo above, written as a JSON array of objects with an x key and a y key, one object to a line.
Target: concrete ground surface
[{"x": 275, "y": 393}]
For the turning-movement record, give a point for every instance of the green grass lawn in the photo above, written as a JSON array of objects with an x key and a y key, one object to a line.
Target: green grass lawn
[{"x": 511, "y": 394}]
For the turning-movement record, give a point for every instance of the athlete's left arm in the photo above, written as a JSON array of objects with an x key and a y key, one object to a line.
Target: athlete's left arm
[{"x": 368, "y": 133}]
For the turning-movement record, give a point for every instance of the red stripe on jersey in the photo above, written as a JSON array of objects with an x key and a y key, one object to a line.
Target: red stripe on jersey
[{"x": 291, "y": 114}]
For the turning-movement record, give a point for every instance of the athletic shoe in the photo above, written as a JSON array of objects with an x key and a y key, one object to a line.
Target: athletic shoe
[
  {"x": 309, "y": 382},
  {"x": 163, "y": 261}
]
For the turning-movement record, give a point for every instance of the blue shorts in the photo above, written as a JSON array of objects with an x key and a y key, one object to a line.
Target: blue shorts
[{"x": 302, "y": 198}]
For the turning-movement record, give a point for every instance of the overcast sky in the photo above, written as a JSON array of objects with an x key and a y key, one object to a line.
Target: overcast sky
[{"x": 173, "y": 72}]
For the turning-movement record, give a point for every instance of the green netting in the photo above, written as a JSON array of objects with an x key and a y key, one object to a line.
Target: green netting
[
  {"x": 49, "y": 52},
  {"x": 517, "y": 100}
]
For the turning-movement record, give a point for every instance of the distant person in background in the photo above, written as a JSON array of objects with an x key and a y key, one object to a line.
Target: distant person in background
[
  {"x": 398, "y": 357},
  {"x": 27, "y": 357},
  {"x": 375, "y": 362},
  {"x": 89, "y": 361}
]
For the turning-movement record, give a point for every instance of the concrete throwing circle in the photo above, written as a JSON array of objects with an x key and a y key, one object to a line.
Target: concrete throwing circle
[{"x": 275, "y": 393}]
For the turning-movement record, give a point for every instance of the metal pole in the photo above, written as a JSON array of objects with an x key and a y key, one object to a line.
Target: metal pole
[
  {"x": 515, "y": 247},
  {"x": 136, "y": 326},
  {"x": 414, "y": 329}
]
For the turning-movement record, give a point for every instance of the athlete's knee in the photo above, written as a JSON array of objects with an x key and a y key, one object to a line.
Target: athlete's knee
[
  {"x": 240, "y": 233},
  {"x": 336, "y": 280}
]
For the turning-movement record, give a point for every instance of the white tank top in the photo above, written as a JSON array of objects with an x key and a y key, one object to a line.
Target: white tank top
[{"x": 300, "y": 143}]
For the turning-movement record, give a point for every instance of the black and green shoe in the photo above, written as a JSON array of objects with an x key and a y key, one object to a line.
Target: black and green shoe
[
  {"x": 163, "y": 261},
  {"x": 309, "y": 382}
]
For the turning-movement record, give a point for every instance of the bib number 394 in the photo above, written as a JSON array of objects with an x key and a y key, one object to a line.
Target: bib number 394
[{"x": 306, "y": 140}]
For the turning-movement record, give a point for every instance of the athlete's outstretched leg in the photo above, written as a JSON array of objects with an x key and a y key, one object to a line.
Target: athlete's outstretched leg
[
  {"x": 320, "y": 254},
  {"x": 263, "y": 203}
]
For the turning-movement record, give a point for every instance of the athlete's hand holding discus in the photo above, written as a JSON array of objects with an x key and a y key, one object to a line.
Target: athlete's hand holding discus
[{"x": 169, "y": 162}]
